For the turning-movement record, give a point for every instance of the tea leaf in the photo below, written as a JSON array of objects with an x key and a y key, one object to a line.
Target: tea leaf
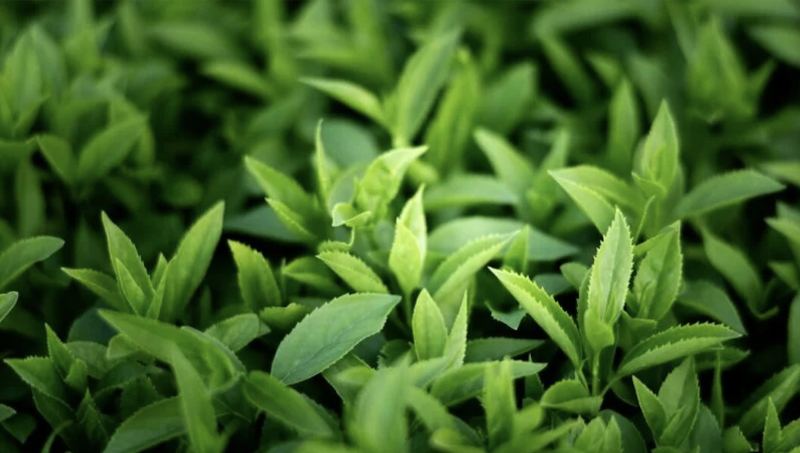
[
  {"x": 125, "y": 259},
  {"x": 191, "y": 261},
  {"x": 611, "y": 272},
  {"x": 514, "y": 170},
  {"x": 354, "y": 96},
  {"x": 40, "y": 373},
  {"x": 491, "y": 349},
  {"x": 21, "y": 255},
  {"x": 460, "y": 384},
  {"x": 102, "y": 285},
  {"x": 468, "y": 190},
  {"x": 379, "y": 413},
  {"x": 109, "y": 148},
  {"x": 778, "y": 390},
  {"x": 659, "y": 160},
  {"x": 256, "y": 280},
  {"x": 286, "y": 405},
  {"x": 328, "y": 333},
  {"x": 150, "y": 426},
  {"x": 7, "y": 302},
  {"x": 196, "y": 408},
  {"x": 673, "y": 343},
  {"x": 356, "y": 273},
  {"x": 409, "y": 248},
  {"x": 457, "y": 269},
  {"x": 704, "y": 297},
  {"x": 59, "y": 156},
  {"x": 737, "y": 270},
  {"x": 794, "y": 331},
  {"x": 430, "y": 333},
  {"x": 591, "y": 203},
  {"x": 623, "y": 128},
  {"x": 658, "y": 278},
  {"x": 571, "y": 396},
  {"x": 423, "y": 76},
  {"x": 558, "y": 325},
  {"x": 724, "y": 190},
  {"x": 499, "y": 402},
  {"x": 238, "y": 331}
]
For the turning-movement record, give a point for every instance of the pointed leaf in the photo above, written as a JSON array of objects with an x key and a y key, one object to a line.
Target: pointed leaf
[
  {"x": 354, "y": 96},
  {"x": 256, "y": 280},
  {"x": 23, "y": 254},
  {"x": 611, "y": 272},
  {"x": 724, "y": 190},
  {"x": 673, "y": 343},
  {"x": 558, "y": 325},
  {"x": 658, "y": 278},
  {"x": 430, "y": 333},
  {"x": 328, "y": 333},
  {"x": 109, "y": 148},
  {"x": 355, "y": 272}
]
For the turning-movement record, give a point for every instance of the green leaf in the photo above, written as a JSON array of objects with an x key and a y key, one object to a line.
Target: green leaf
[
  {"x": 781, "y": 40},
  {"x": 190, "y": 263},
  {"x": 558, "y": 325},
  {"x": 793, "y": 343},
  {"x": 23, "y": 254},
  {"x": 193, "y": 39},
  {"x": 430, "y": 333},
  {"x": 109, "y": 148},
  {"x": 673, "y": 343},
  {"x": 239, "y": 76},
  {"x": 658, "y": 277},
  {"x": 238, "y": 331},
  {"x": 100, "y": 284},
  {"x": 41, "y": 374},
  {"x": 125, "y": 259},
  {"x": 680, "y": 395},
  {"x": 652, "y": 408},
  {"x": 725, "y": 190},
  {"x": 455, "y": 234},
  {"x": 494, "y": 348},
  {"x": 784, "y": 170},
  {"x": 456, "y": 346},
  {"x": 623, "y": 128},
  {"x": 469, "y": 190},
  {"x": 465, "y": 382},
  {"x": 286, "y": 405},
  {"x": 591, "y": 203},
  {"x": 772, "y": 430},
  {"x": 7, "y": 302},
  {"x": 354, "y": 96},
  {"x": 450, "y": 276},
  {"x": 196, "y": 407},
  {"x": 407, "y": 256},
  {"x": 448, "y": 133},
  {"x": 312, "y": 272},
  {"x": 61, "y": 356},
  {"x": 779, "y": 389},
  {"x": 383, "y": 178},
  {"x": 704, "y": 297},
  {"x": 256, "y": 281},
  {"x": 356, "y": 273},
  {"x": 609, "y": 187},
  {"x": 423, "y": 76},
  {"x": 378, "y": 422},
  {"x": 513, "y": 170},
  {"x": 611, "y": 272},
  {"x": 280, "y": 187},
  {"x": 499, "y": 402},
  {"x": 734, "y": 441},
  {"x": 508, "y": 97},
  {"x": 154, "y": 338},
  {"x": 569, "y": 69},
  {"x": 430, "y": 411},
  {"x": 59, "y": 156},
  {"x": 659, "y": 160},
  {"x": 151, "y": 426},
  {"x": 737, "y": 270},
  {"x": 571, "y": 396},
  {"x": 328, "y": 333}
]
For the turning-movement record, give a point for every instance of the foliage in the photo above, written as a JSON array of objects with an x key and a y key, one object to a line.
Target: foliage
[{"x": 366, "y": 226}]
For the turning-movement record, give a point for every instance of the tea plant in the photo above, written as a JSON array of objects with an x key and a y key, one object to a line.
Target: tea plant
[{"x": 364, "y": 226}]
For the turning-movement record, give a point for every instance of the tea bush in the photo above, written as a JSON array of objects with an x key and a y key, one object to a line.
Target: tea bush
[{"x": 400, "y": 226}]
